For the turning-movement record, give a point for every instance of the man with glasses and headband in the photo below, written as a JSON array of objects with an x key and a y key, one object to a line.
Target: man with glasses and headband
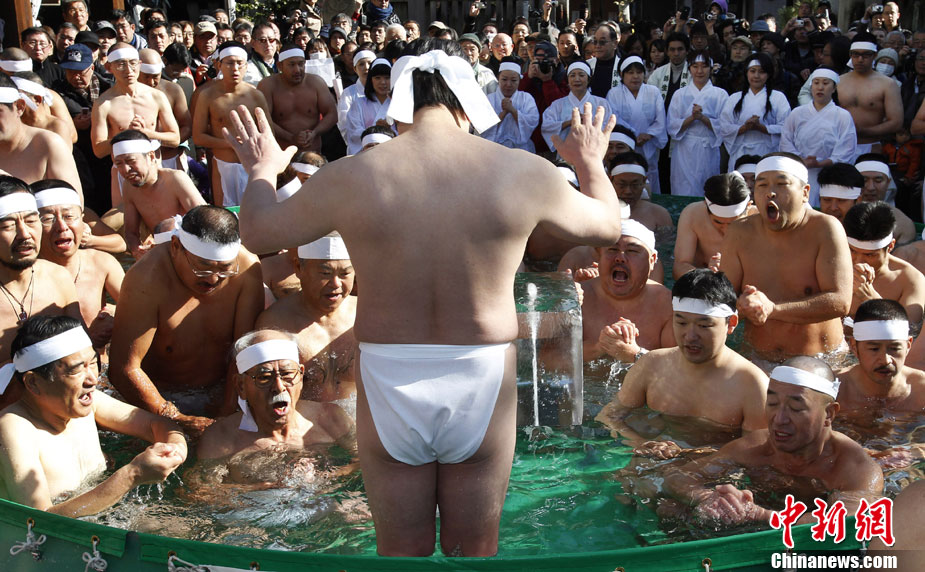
[
  {"x": 268, "y": 386},
  {"x": 873, "y": 99},
  {"x": 50, "y": 437},
  {"x": 150, "y": 193},
  {"x": 130, "y": 104},
  {"x": 95, "y": 273},
  {"x": 180, "y": 309}
]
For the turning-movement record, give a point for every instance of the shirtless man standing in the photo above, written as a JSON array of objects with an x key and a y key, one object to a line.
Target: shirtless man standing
[
  {"x": 463, "y": 467},
  {"x": 799, "y": 452},
  {"x": 150, "y": 193},
  {"x": 29, "y": 153},
  {"x": 50, "y": 437},
  {"x": 95, "y": 273},
  {"x": 130, "y": 105},
  {"x": 790, "y": 264},
  {"x": 151, "y": 68},
  {"x": 299, "y": 103},
  {"x": 703, "y": 225},
  {"x": 215, "y": 101},
  {"x": 181, "y": 307},
  {"x": 877, "y": 274},
  {"x": 702, "y": 377},
  {"x": 321, "y": 315},
  {"x": 872, "y": 98}
]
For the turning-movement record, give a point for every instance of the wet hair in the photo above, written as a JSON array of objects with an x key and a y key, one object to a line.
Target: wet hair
[
  {"x": 880, "y": 309},
  {"x": 430, "y": 90},
  {"x": 677, "y": 37},
  {"x": 768, "y": 67},
  {"x": 177, "y": 53},
  {"x": 869, "y": 221},
  {"x": 377, "y": 129},
  {"x": 726, "y": 189},
  {"x": 871, "y": 157},
  {"x": 707, "y": 285},
  {"x": 129, "y": 135},
  {"x": 843, "y": 174},
  {"x": 375, "y": 71},
  {"x": 747, "y": 160},
  {"x": 212, "y": 224},
  {"x": 37, "y": 329},
  {"x": 10, "y": 185},
  {"x": 629, "y": 158}
]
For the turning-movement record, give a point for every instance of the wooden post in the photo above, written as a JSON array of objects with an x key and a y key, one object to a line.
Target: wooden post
[{"x": 18, "y": 17}]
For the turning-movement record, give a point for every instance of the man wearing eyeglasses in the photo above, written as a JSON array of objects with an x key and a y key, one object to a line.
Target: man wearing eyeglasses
[
  {"x": 180, "y": 309},
  {"x": 39, "y": 45},
  {"x": 262, "y": 62},
  {"x": 130, "y": 104},
  {"x": 268, "y": 385},
  {"x": 125, "y": 29}
]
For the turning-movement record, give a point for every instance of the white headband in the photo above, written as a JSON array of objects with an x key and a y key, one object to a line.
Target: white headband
[
  {"x": 14, "y": 66},
  {"x": 374, "y": 138},
  {"x": 380, "y": 62},
  {"x": 785, "y": 164},
  {"x": 747, "y": 168},
  {"x": 152, "y": 69},
  {"x": 56, "y": 196},
  {"x": 623, "y": 138},
  {"x": 325, "y": 248},
  {"x": 630, "y": 227},
  {"x": 30, "y": 86},
  {"x": 824, "y": 73},
  {"x": 871, "y": 244},
  {"x": 363, "y": 55},
  {"x": 570, "y": 176},
  {"x": 456, "y": 72},
  {"x": 881, "y": 330},
  {"x": 288, "y": 189},
  {"x": 208, "y": 250},
  {"x": 162, "y": 237},
  {"x": 9, "y": 95},
  {"x": 839, "y": 192},
  {"x": 628, "y": 168},
  {"x": 232, "y": 51},
  {"x": 702, "y": 307},
  {"x": 630, "y": 60},
  {"x": 133, "y": 146},
  {"x": 875, "y": 166},
  {"x": 17, "y": 203},
  {"x": 703, "y": 59},
  {"x": 304, "y": 168},
  {"x": 512, "y": 67},
  {"x": 863, "y": 47},
  {"x": 579, "y": 66},
  {"x": 799, "y": 377},
  {"x": 754, "y": 63},
  {"x": 270, "y": 350},
  {"x": 123, "y": 54},
  {"x": 44, "y": 352},
  {"x": 291, "y": 53},
  {"x": 727, "y": 211}
]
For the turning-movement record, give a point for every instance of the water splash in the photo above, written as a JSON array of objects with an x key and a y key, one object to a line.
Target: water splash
[{"x": 533, "y": 319}]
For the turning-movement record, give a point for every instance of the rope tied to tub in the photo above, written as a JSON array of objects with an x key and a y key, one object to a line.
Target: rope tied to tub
[
  {"x": 31, "y": 543},
  {"x": 95, "y": 560},
  {"x": 183, "y": 566}
]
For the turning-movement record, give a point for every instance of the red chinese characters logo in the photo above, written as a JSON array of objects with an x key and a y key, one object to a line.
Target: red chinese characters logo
[
  {"x": 871, "y": 520},
  {"x": 875, "y": 519},
  {"x": 787, "y": 518},
  {"x": 829, "y": 522}
]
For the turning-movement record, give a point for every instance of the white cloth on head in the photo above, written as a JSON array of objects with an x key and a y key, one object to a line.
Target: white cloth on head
[
  {"x": 637, "y": 230},
  {"x": 871, "y": 244},
  {"x": 266, "y": 351},
  {"x": 14, "y": 66},
  {"x": 753, "y": 142},
  {"x": 695, "y": 152},
  {"x": 57, "y": 196},
  {"x": 510, "y": 132},
  {"x": 33, "y": 88},
  {"x": 781, "y": 163},
  {"x": 129, "y": 146},
  {"x": 152, "y": 69},
  {"x": 874, "y": 167},
  {"x": 512, "y": 67},
  {"x": 44, "y": 352},
  {"x": 374, "y": 139},
  {"x": 702, "y": 307},
  {"x": 13, "y": 203},
  {"x": 363, "y": 55},
  {"x": 616, "y": 136},
  {"x": 10, "y": 95},
  {"x": 363, "y": 114},
  {"x": 162, "y": 237},
  {"x": 825, "y": 134},
  {"x": 863, "y": 47},
  {"x": 627, "y": 61},
  {"x": 560, "y": 111},
  {"x": 456, "y": 72},
  {"x": 824, "y": 73},
  {"x": 628, "y": 168},
  {"x": 232, "y": 51},
  {"x": 206, "y": 248},
  {"x": 747, "y": 168},
  {"x": 128, "y": 53},
  {"x": 881, "y": 330},
  {"x": 727, "y": 211},
  {"x": 644, "y": 113},
  {"x": 288, "y": 189},
  {"x": 291, "y": 53},
  {"x": 304, "y": 168},
  {"x": 801, "y": 378},
  {"x": 839, "y": 192},
  {"x": 234, "y": 181},
  {"x": 325, "y": 248},
  {"x": 579, "y": 65}
]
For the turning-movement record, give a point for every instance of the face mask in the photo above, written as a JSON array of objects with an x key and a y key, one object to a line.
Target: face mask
[
  {"x": 885, "y": 69},
  {"x": 317, "y": 56}
]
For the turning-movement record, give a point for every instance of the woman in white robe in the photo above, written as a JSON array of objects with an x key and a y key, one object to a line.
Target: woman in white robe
[
  {"x": 519, "y": 117},
  {"x": 640, "y": 107},
  {"x": 820, "y": 132},
  {"x": 557, "y": 118},
  {"x": 693, "y": 123},
  {"x": 366, "y": 111},
  {"x": 361, "y": 62},
  {"x": 752, "y": 119}
]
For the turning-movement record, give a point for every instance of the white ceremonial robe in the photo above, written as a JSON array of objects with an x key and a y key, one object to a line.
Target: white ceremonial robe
[
  {"x": 512, "y": 133},
  {"x": 343, "y": 105},
  {"x": 753, "y": 142},
  {"x": 696, "y": 154},
  {"x": 363, "y": 113},
  {"x": 644, "y": 113},
  {"x": 560, "y": 111},
  {"x": 826, "y": 134}
]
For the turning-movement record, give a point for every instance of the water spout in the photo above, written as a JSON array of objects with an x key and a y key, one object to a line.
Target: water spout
[{"x": 533, "y": 322}]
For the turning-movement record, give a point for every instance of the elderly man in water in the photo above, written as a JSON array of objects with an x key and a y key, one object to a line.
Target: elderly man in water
[
  {"x": 269, "y": 385},
  {"x": 50, "y": 437},
  {"x": 701, "y": 378},
  {"x": 799, "y": 453}
]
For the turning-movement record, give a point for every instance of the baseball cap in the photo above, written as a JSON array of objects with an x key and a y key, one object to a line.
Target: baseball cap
[
  {"x": 77, "y": 57},
  {"x": 87, "y": 38},
  {"x": 205, "y": 28},
  {"x": 744, "y": 39},
  {"x": 104, "y": 25},
  {"x": 759, "y": 26}
]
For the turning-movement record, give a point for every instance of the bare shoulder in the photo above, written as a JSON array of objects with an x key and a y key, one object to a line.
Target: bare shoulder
[
  {"x": 218, "y": 439},
  {"x": 659, "y": 294},
  {"x": 820, "y": 221},
  {"x": 171, "y": 90},
  {"x": 907, "y": 270},
  {"x": 693, "y": 212},
  {"x": 14, "y": 423},
  {"x": 280, "y": 313},
  {"x": 856, "y": 470},
  {"x": 52, "y": 272},
  {"x": 149, "y": 276},
  {"x": 314, "y": 82},
  {"x": 746, "y": 372}
]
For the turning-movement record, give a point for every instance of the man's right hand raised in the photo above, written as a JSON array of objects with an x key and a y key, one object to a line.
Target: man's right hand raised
[
  {"x": 155, "y": 463},
  {"x": 588, "y": 137},
  {"x": 252, "y": 139}
]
